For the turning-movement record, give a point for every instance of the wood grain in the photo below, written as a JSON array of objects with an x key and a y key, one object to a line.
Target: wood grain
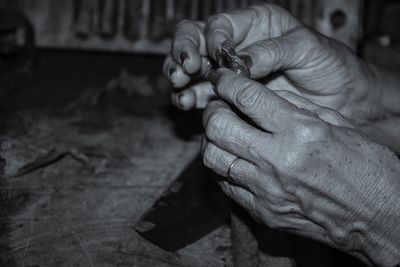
[{"x": 80, "y": 210}]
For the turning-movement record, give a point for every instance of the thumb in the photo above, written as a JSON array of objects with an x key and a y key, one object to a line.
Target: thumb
[{"x": 292, "y": 50}]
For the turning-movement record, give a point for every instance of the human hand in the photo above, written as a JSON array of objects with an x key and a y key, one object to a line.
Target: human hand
[
  {"x": 272, "y": 41},
  {"x": 303, "y": 168}
]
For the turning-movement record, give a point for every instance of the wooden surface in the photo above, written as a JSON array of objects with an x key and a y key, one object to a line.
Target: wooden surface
[{"x": 79, "y": 209}]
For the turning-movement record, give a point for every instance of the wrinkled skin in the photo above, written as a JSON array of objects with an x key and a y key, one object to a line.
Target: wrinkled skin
[
  {"x": 303, "y": 61},
  {"x": 304, "y": 169},
  {"x": 304, "y": 164}
]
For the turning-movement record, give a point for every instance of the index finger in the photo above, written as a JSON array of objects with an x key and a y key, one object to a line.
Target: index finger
[
  {"x": 189, "y": 45},
  {"x": 246, "y": 26},
  {"x": 268, "y": 110}
]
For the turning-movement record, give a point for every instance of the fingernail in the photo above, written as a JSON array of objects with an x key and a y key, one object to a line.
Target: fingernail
[
  {"x": 212, "y": 76},
  {"x": 183, "y": 58},
  {"x": 171, "y": 72}
]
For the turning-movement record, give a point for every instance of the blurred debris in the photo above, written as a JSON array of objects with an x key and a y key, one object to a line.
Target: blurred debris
[
  {"x": 124, "y": 91},
  {"x": 41, "y": 162},
  {"x": 132, "y": 85},
  {"x": 19, "y": 158},
  {"x": 384, "y": 40}
]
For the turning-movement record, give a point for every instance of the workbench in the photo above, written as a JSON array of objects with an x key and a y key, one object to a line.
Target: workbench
[{"x": 74, "y": 181}]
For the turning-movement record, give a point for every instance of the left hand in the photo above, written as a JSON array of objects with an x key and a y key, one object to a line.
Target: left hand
[{"x": 304, "y": 168}]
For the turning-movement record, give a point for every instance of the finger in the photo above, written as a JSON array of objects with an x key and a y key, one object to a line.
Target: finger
[
  {"x": 292, "y": 50},
  {"x": 188, "y": 45},
  {"x": 184, "y": 100},
  {"x": 237, "y": 170},
  {"x": 328, "y": 115},
  {"x": 196, "y": 96},
  {"x": 217, "y": 159},
  {"x": 298, "y": 101},
  {"x": 280, "y": 83},
  {"x": 243, "y": 26},
  {"x": 271, "y": 112},
  {"x": 247, "y": 175},
  {"x": 226, "y": 130},
  {"x": 176, "y": 76},
  {"x": 203, "y": 93}
]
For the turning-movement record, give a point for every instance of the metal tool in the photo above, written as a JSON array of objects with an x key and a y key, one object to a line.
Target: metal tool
[{"x": 189, "y": 209}]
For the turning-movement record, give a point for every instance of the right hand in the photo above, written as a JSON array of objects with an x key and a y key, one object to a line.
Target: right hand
[
  {"x": 304, "y": 169},
  {"x": 302, "y": 61}
]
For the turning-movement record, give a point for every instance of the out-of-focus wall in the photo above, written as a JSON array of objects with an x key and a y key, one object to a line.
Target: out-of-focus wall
[{"x": 146, "y": 25}]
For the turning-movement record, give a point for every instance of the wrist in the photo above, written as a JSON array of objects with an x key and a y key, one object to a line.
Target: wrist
[
  {"x": 382, "y": 236},
  {"x": 382, "y": 247}
]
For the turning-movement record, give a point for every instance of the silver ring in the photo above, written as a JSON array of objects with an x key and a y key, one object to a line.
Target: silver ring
[{"x": 230, "y": 168}]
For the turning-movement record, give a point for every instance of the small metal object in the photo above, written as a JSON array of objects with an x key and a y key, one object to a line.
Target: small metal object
[
  {"x": 228, "y": 58},
  {"x": 230, "y": 167}
]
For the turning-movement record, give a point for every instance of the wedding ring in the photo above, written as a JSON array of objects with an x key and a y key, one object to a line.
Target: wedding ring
[{"x": 230, "y": 167}]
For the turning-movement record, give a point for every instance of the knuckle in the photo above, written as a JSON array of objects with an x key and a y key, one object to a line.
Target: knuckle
[
  {"x": 308, "y": 41},
  {"x": 208, "y": 158},
  {"x": 311, "y": 131},
  {"x": 306, "y": 137},
  {"x": 312, "y": 40},
  {"x": 215, "y": 121},
  {"x": 248, "y": 95},
  {"x": 340, "y": 238},
  {"x": 272, "y": 48}
]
